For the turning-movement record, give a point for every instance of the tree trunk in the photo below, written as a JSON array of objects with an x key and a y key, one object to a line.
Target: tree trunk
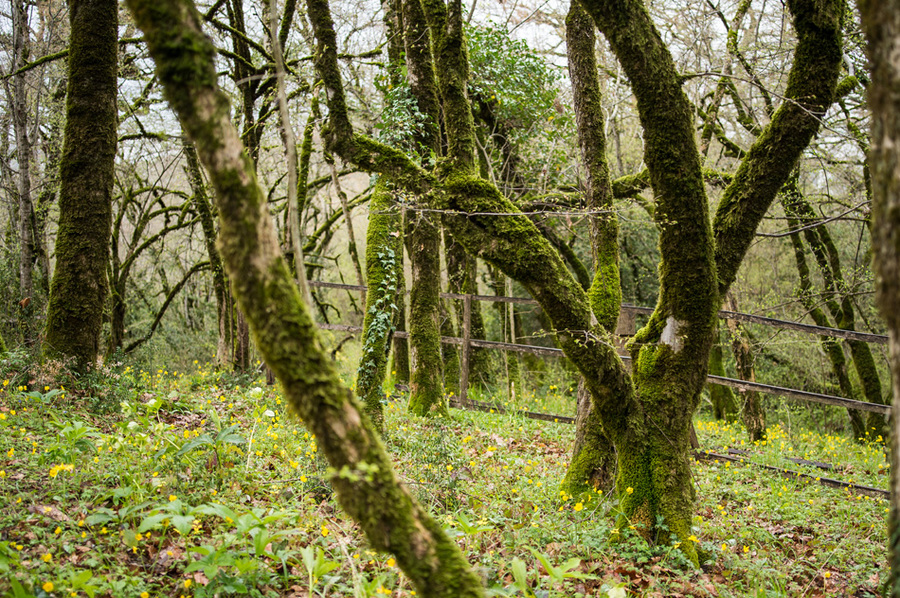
[
  {"x": 426, "y": 383},
  {"x": 647, "y": 415},
  {"x": 400, "y": 364},
  {"x": 424, "y": 232},
  {"x": 79, "y": 287},
  {"x": 593, "y": 457},
  {"x": 800, "y": 214},
  {"x": 384, "y": 250},
  {"x": 881, "y": 21},
  {"x": 23, "y": 182},
  {"x": 722, "y": 397},
  {"x": 367, "y": 487},
  {"x": 205, "y": 210}
]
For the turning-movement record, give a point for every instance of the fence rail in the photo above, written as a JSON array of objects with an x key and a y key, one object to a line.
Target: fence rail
[{"x": 741, "y": 385}]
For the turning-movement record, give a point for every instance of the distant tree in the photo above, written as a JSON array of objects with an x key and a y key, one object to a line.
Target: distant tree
[{"x": 79, "y": 287}]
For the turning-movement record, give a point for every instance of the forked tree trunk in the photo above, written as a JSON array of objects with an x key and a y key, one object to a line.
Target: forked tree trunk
[
  {"x": 647, "y": 415},
  {"x": 881, "y": 21},
  {"x": 79, "y": 287},
  {"x": 367, "y": 487}
]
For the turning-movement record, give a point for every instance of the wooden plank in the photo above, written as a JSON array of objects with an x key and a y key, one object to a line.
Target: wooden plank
[
  {"x": 473, "y": 405},
  {"x": 787, "y": 473},
  {"x": 627, "y": 308},
  {"x": 866, "y": 337},
  {"x": 803, "y": 395}
]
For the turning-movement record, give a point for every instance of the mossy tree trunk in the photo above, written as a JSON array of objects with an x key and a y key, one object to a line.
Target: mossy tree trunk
[
  {"x": 593, "y": 463},
  {"x": 426, "y": 388},
  {"x": 646, "y": 415},
  {"x": 424, "y": 232},
  {"x": 384, "y": 251},
  {"x": 881, "y": 21},
  {"x": 366, "y": 486},
  {"x": 79, "y": 287}
]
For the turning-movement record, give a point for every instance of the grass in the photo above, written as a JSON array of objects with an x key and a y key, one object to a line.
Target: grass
[{"x": 190, "y": 484}]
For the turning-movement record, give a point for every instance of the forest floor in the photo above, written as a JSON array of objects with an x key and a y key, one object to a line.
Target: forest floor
[{"x": 189, "y": 484}]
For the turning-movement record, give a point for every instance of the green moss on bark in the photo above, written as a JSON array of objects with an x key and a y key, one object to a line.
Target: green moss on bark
[
  {"x": 426, "y": 381},
  {"x": 79, "y": 287},
  {"x": 383, "y": 263}
]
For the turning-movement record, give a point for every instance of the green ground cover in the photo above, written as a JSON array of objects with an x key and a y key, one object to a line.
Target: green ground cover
[{"x": 162, "y": 483}]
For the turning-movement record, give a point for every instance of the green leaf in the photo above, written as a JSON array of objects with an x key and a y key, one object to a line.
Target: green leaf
[
  {"x": 152, "y": 522},
  {"x": 183, "y": 523},
  {"x": 193, "y": 444}
]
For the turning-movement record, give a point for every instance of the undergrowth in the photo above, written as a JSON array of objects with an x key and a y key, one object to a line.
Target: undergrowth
[{"x": 162, "y": 483}]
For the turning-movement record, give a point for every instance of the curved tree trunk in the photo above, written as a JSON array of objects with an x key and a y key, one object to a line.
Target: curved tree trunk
[
  {"x": 287, "y": 337},
  {"x": 204, "y": 208},
  {"x": 800, "y": 214},
  {"x": 79, "y": 287}
]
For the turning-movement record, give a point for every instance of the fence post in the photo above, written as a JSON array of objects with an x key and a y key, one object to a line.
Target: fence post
[
  {"x": 625, "y": 329},
  {"x": 464, "y": 352}
]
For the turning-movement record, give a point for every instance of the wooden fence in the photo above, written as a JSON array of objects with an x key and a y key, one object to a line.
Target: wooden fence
[{"x": 626, "y": 328}]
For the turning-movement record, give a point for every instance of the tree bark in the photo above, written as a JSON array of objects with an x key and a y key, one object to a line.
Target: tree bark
[
  {"x": 23, "y": 180},
  {"x": 423, "y": 231},
  {"x": 79, "y": 287},
  {"x": 881, "y": 21},
  {"x": 384, "y": 251},
  {"x": 593, "y": 463},
  {"x": 287, "y": 337}
]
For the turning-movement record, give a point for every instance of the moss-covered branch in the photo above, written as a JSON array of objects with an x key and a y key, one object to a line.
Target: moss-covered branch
[
  {"x": 769, "y": 161},
  {"x": 365, "y": 483}
]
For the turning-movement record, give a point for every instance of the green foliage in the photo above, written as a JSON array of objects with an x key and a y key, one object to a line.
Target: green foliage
[
  {"x": 492, "y": 480},
  {"x": 401, "y": 122},
  {"x": 515, "y": 80}
]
